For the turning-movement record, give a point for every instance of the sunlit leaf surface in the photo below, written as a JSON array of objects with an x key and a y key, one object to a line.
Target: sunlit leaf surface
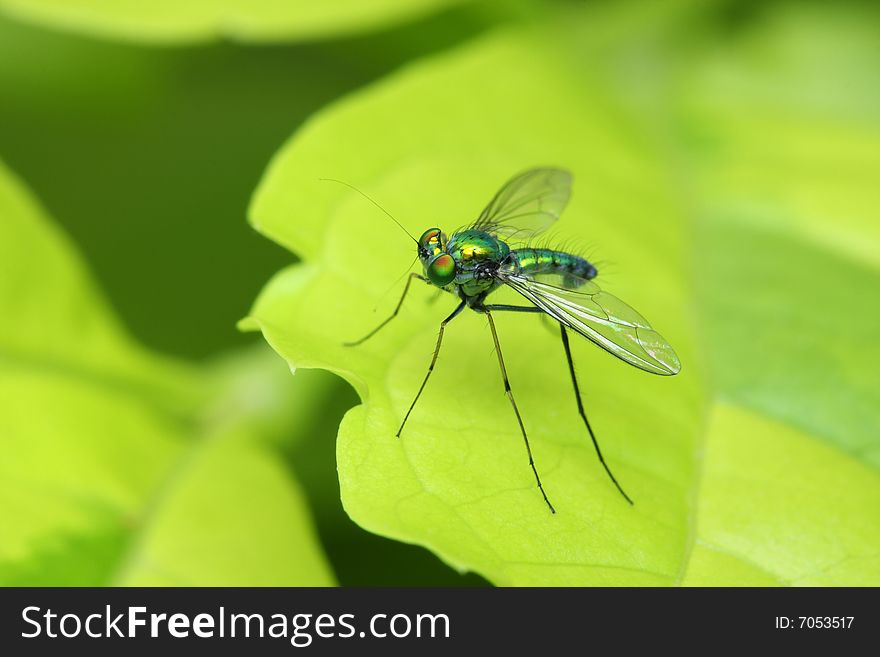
[
  {"x": 169, "y": 21},
  {"x": 119, "y": 467},
  {"x": 734, "y": 479}
]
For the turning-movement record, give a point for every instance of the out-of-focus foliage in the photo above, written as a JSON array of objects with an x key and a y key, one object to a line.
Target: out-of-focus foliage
[
  {"x": 174, "y": 21},
  {"x": 778, "y": 506},
  {"x": 724, "y": 156},
  {"x": 147, "y": 158},
  {"x": 783, "y": 136},
  {"x": 732, "y": 226},
  {"x": 140, "y": 153},
  {"x": 119, "y": 467}
]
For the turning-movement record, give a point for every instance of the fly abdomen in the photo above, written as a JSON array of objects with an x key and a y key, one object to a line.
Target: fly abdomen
[{"x": 571, "y": 268}]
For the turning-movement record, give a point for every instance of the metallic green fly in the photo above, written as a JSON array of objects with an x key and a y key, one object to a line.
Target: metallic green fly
[{"x": 479, "y": 259}]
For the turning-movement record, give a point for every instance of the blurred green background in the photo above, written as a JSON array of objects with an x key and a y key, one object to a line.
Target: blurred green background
[
  {"x": 145, "y": 154},
  {"x": 147, "y": 157}
]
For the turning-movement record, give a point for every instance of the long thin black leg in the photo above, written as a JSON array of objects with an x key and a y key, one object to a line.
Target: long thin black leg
[
  {"x": 577, "y": 395},
  {"x": 509, "y": 393},
  {"x": 443, "y": 324},
  {"x": 393, "y": 315},
  {"x": 521, "y": 309},
  {"x": 515, "y": 309}
]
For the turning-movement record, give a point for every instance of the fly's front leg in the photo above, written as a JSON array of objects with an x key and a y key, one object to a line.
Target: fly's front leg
[
  {"x": 393, "y": 315},
  {"x": 443, "y": 324}
]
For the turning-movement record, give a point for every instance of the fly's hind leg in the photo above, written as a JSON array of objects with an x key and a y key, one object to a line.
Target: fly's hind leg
[{"x": 580, "y": 405}]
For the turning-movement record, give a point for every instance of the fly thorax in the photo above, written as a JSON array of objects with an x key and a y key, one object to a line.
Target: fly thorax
[
  {"x": 472, "y": 247},
  {"x": 477, "y": 255}
]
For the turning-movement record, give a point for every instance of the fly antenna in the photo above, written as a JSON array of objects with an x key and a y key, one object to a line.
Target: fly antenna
[
  {"x": 391, "y": 287},
  {"x": 342, "y": 182}
]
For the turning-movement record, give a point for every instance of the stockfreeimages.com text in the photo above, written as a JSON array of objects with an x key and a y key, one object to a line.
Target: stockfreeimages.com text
[{"x": 299, "y": 629}]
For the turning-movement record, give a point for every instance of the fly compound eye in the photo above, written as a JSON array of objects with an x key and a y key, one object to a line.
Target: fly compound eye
[{"x": 441, "y": 270}]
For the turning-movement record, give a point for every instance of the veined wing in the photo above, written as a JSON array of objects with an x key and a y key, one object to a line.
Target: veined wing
[
  {"x": 602, "y": 318},
  {"x": 527, "y": 204}
]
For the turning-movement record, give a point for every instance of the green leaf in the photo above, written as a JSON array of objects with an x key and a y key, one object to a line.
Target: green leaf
[
  {"x": 55, "y": 320},
  {"x": 119, "y": 467},
  {"x": 776, "y": 506},
  {"x": 129, "y": 110},
  {"x": 790, "y": 233},
  {"x": 458, "y": 481},
  {"x": 783, "y": 140},
  {"x": 235, "y": 517},
  {"x": 781, "y": 331},
  {"x": 432, "y": 144},
  {"x": 172, "y": 21}
]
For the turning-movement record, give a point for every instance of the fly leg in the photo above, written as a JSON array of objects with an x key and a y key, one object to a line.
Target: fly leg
[
  {"x": 487, "y": 311},
  {"x": 580, "y": 404},
  {"x": 443, "y": 324},
  {"x": 393, "y": 315}
]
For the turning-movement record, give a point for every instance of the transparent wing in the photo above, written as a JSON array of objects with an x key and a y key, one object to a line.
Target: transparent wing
[
  {"x": 527, "y": 204},
  {"x": 601, "y": 317}
]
